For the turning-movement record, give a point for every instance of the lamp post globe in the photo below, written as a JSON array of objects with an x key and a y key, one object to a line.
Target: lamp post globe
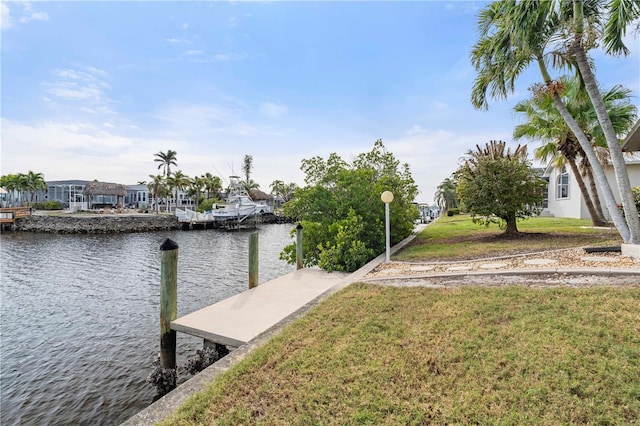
[{"x": 387, "y": 197}]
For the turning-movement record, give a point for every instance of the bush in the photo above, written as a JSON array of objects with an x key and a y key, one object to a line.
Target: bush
[
  {"x": 206, "y": 205},
  {"x": 48, "y": 205},
  {"x": 452, "y": 212}
]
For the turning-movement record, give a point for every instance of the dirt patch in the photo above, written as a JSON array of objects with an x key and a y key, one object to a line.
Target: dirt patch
[{"x": 533, "y": 281}]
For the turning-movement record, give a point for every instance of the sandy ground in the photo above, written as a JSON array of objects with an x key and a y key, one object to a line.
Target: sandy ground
[{"x": 535, "y": 270}]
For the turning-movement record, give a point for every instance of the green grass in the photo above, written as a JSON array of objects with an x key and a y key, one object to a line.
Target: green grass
[
  {"x": 458, "y": 238},
  {"x": 381, "y": 355}
]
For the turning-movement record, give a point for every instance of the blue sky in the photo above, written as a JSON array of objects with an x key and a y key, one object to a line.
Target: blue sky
[{"x": 91, "y": 90}]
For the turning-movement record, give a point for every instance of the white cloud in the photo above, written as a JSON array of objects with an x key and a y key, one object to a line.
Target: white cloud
[
  {"x": 27, "y": 15},
  {"x": 434, "y": 154},
  {"x": 192, "y": 52},
  {"x": 6, "y": 21},
  {"x": 185, "y": 26},
  {"x": 174, "y": 40},
  {"x": 272, "y": 110},
  {"x": 81, "y": 85},
  {"x": 222, "y": 57}
]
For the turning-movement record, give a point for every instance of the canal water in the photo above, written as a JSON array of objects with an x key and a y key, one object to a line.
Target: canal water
[{"x": 79, "y": 315}]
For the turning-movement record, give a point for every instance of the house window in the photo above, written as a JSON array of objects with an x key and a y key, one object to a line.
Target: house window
[{"x": 562, "y": 184}]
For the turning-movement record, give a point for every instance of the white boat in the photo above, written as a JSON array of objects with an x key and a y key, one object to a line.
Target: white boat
[{"x": 239, "y": 204}]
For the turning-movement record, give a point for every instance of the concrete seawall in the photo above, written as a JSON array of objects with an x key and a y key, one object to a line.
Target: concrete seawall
[{"x": 95, "y": 225}]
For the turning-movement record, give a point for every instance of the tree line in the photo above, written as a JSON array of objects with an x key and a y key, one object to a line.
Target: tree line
[
  {"x": 20, "y": 184},
  {"x": 203, "y": 190}
]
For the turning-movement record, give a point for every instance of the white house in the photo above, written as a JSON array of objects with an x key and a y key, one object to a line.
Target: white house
[{"x": 564, "y": 196}]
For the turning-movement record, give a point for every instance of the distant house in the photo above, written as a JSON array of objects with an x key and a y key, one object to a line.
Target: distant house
[
  {"x": 564, "y": 196},
  {"x": 137, "y": 196}
]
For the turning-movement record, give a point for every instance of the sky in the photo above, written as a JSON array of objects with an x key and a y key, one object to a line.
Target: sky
[{"x": 92, "y": 90}]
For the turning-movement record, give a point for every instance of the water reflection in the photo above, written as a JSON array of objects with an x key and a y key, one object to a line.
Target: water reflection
[{"x": 80, "y": 315}]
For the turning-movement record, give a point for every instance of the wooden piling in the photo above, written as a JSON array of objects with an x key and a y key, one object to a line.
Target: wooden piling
[
  {"x": 299, "y": 256},
  {"x": 168, "y": 303},
  {"x": 253, "y": 260}
]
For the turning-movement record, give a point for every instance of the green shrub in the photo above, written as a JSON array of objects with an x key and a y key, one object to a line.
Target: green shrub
[
  {"x": 48, "y": 205},
  {"x": 206, "y": 205},
  {"x": 452, "y": 212}
]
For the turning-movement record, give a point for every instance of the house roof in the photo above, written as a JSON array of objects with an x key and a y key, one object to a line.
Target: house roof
[
  {"x": 105, "y": 188},
  {"x": 632, "y": 142},
  {"x": 257, "y": 195},
  {"x": 74, "y": 182}
]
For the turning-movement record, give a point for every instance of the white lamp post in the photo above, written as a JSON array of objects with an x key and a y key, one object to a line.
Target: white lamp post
[{"x": 387, "y": 197}]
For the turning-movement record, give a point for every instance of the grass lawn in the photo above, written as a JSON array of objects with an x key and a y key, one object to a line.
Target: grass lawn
[
  {"x": 458, "y": 238},
  {"x": 470, "y": 355},
  {"x": 381, "y": 355}
]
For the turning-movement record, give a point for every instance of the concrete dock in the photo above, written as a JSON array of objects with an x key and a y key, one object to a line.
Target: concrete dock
[{"x": 240, "y": 318}]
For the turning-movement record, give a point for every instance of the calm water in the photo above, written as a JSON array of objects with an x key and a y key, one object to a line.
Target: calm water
[{"x": 80, "y": 315}]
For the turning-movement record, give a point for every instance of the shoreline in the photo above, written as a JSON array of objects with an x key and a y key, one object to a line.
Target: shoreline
[
  {"x": 56, "y": 222},
  {"x": 94, "y": 224}
]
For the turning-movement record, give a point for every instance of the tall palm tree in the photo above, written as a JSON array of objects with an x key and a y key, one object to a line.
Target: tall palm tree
[
  {"x": 622, "y": 13},
  {"x": 545, "y": 123},
  {"x": 166, "y": 160},
  {"x": 446, "y": 197},
  {"x": 512, "y": 35}
]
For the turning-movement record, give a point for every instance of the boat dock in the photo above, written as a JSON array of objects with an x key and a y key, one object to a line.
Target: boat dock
[
  {"x": 9, "y": 215},
  {"x": 240, "y": 318}
]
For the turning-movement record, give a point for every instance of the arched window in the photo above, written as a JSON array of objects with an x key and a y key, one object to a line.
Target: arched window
[{"x": 562, "y": 184}]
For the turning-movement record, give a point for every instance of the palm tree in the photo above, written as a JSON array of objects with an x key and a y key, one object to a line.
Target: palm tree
[
  {"x": 194, "y": 190},
  {"x": 622, "y": 13},
  {"x": 212, "y": 185},
  {"x": 34, "y": 183},
  {"x": 246, "y": 168},
  {"x": 512, "y": 35},
  {"x": 446, "y": 197},
  {"x": 249, "y": 185},
  {"x": 545, "y": 124},
  {"x": 177, "y": 182},
  {"x": 157, "y": 189},
  {"x": 166, "y": 160}
]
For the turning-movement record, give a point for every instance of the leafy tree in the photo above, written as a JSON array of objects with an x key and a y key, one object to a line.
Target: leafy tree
[
  {"x": 283, "y": 190},
  {"x": 512, "y": 35},
  {"x": 498, "y": 186},
  {"x": 341, "y": 211},
  {"x": 446, "y": 196},
  {"x": 166, "y": 160}
]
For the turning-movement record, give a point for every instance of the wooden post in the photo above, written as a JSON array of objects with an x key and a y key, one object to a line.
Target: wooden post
[
  {"x": 299, "y": 256},
  {"x": 253, "y": 260},
  {"x": 168, "y": 302}
]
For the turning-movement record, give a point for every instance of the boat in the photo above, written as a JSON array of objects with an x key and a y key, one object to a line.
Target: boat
[{"x": 239, "y": 204}]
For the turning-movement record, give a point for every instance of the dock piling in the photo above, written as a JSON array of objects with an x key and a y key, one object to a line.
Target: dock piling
[
  {"x": 168, "y": 303},
  {"x": 253, "y": 260},
  {"x": 299, "y": 256}
]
